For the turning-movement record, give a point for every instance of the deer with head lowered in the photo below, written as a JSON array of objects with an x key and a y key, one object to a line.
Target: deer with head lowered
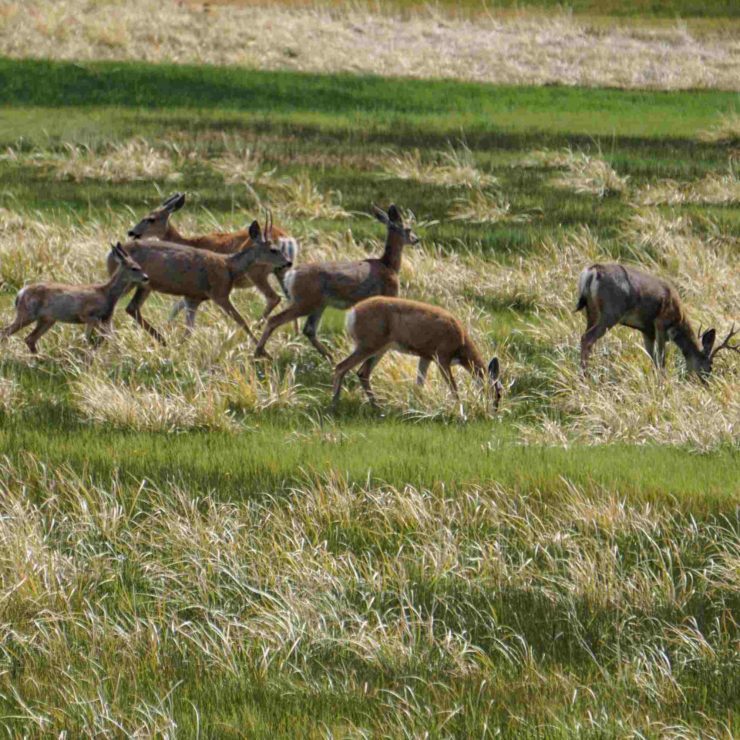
[
  {"x": 197, "y": 275},
  {"x": 92, "y": 305},
  {"x": 431, "y": 333},
  {"x": 314, "y": 287},
  {"x": 157, "y": 225},
  {"x": 617, "y": 294}
]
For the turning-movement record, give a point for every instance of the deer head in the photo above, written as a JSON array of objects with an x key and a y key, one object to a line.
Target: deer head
[
  {"x": 154, "y": 225},
  {"x": 702, "y": 361},
  {"x": 393, "y": 220},
  {"x": 262, "y": 247},
  {"x": 494, "y": 375},
  {"x": 129, "y": 268}
]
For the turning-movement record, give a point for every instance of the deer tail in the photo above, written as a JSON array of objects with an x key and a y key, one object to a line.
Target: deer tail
[{"x": 584, "y": 286}]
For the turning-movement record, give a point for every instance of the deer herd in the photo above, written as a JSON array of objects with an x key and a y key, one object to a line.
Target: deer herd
[{"x": 208, "y": 267}]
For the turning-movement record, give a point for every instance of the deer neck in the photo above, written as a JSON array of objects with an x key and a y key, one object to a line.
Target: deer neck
[
  {"x": 173, "y": 235},
  {"x": 683, "y": 337},
  {"x": 472, "y": 360},
  {"x": 240, "y": 262},
  {"x": 114, "y": 288},
  {"x": 393, "y": 251}
]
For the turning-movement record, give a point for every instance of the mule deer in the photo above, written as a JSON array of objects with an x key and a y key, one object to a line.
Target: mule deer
[
  {"x": 432, "y": 334},
  {"x": 614, "y": 294},
  {"x": 156, "y": 225},
  {"x": 92, "y": 305},
  {"x": 313, "y": 287},
  {"x": 197, "y": 274}
]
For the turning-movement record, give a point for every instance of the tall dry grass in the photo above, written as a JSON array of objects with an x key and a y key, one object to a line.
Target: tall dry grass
[
  {"x": 116, "y": 585},
  {"x": 523, "y": 49},
  {"x": 130, "y": 382}
]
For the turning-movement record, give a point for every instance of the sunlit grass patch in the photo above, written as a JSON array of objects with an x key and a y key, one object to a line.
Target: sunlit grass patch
[
  {"x": 360, "y": 585},
  {"x": 626, "y": 401},
  {"x": 135, "y": 159},
  {"x": 589, "y": 174},
  {"x": 481, "y": 206},
  {"x": 715, "y": 188},
  {"x": 33, "y": 248},
  {"x": 11, "y": 397},
  {"x": 299, "y": 197},
  {"x": 168, "y": 408},
  {"x": 725, "y": 130},
  {"x": 451, "y": 168}
]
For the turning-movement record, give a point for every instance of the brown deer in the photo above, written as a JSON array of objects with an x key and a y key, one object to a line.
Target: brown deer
[
  {"x": 313, "y": 287},
  {"x": 615, "y": 294},
  {"x": 197, "y": 274},
  {"x": 431, "y": 333},
  {"x": 92, "y": 305},
  {"x": 156, "y": 225}
]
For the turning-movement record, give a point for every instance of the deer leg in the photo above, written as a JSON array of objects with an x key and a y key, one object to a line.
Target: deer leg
[
  {"x": 191, "y": 307},
  {"x": 588, "y": 340},
  {"x": 660, "y": 339},
  {"x": 134, "y": 310},
  {"x": 358, "y": 356},
  {"x": 309, "y": 330},
  {"x": 176, "y": 308},
  {"x": 90, "y": 331},
  {"x": 228, "y": 307},
  {"x": 444, "y": 366},
  {"x": 421, "y": 373},
  {"x": 42, "y": 326},
  {"x": 364, "y": 374},
  {"x": 18, "y": 323},
  {"x": 280, "y": 275},
  {"x": 272, "y": 299},
  {"x": 648, "y": 339},
  {"x": 289, "y": 314}
]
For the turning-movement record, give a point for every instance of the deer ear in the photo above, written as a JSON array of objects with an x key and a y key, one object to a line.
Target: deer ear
[
  {"x": 493, "y": 368},
  {"x": 394, "y": 214},
  {"x": 255, "y": 233},
  {"x": 175, "y": 202},
  {"x": 380, "y": 214},
  {"x": 707, "y": 340}
]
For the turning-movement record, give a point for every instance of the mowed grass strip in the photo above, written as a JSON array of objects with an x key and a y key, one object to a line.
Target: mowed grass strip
[{"x": 353, "y": 101}]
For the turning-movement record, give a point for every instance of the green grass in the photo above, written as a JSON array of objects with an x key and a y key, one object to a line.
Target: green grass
[
  {"x": 632, "y": 9},
  {"x": 354, "y": 572}
]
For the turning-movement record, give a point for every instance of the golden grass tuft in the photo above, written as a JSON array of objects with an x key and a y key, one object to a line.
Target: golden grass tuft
[
  {"x": 452, "y": 168},
  {"x": 135, "y": 159},
  {"x": 725, "y": 131},
  {"x": 167, "y": 408},
  {"x": 583, "y": 173},
  {"x": 717, "y": 189},
  {"x": 299, "y": 197},
  {"x": 481, "y": 206},
  {"x": 11, "y": 397},
  {"x": 628, "y": 402}
]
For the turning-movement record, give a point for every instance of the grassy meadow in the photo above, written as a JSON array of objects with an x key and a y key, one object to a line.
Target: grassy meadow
[{"x": 193, "y": 545}]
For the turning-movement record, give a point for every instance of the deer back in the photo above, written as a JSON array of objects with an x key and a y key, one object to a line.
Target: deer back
[
  {"x": 340, "y": 284},
  {"x": 179, "y": 270}
]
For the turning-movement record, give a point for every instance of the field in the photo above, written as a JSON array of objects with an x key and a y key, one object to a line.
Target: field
[{"x": 192, "y": 544}]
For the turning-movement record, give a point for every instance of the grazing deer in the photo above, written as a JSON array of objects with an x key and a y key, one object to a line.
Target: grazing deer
[
  {"x": 92, "y": 305},
  {"x": 313, "y": 287},
  {"x": 432, "y": 334},
  {"x": 197, "y": 274},
  {"x": 156, "y": 225},
  {"x": 614, "y": 294}
]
